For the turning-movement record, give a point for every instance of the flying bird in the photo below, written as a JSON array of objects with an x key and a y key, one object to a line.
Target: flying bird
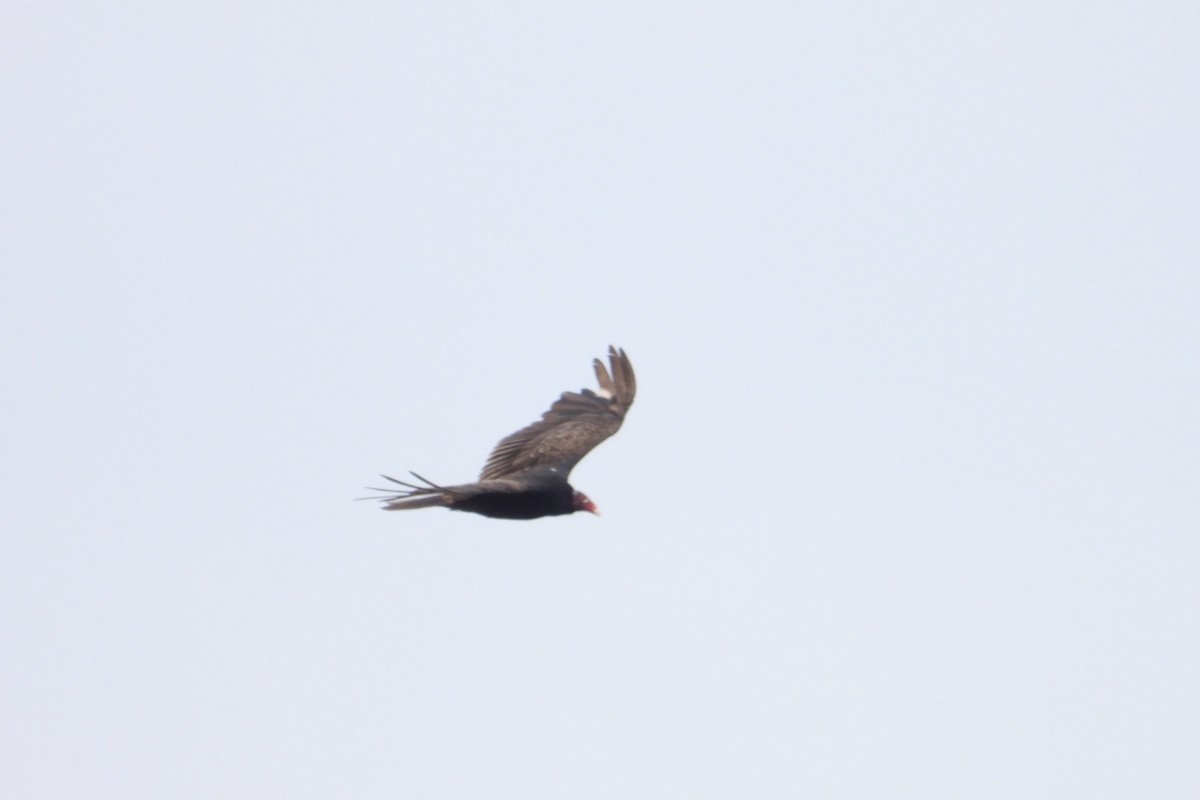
[{"x": 525, "y": 477}]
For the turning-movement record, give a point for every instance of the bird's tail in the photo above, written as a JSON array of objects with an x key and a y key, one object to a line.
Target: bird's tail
[
  {"x": 424, "y": 501},
  {"x": 413, "y": 496}
]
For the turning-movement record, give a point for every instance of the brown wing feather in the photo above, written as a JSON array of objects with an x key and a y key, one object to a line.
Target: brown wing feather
[{"x": 577, "y": 422}]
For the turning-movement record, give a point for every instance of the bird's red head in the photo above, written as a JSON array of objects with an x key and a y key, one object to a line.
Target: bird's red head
[{"x": 580, "y": 502}]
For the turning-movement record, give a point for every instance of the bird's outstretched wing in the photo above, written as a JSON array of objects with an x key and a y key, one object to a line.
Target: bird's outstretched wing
[{"x": 577, "y": 422}]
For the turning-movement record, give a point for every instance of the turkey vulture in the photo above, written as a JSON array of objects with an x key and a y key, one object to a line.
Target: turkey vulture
[{"x": 526, "y": 475}]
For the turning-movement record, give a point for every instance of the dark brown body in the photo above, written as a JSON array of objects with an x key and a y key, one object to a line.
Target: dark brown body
[{"x": 540, "y": 496}]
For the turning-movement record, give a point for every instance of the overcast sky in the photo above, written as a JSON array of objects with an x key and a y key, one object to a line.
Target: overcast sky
[{"x": 908, "y": 503}]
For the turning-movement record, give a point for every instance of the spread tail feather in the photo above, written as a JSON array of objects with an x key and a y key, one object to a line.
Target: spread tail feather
[{"x": 413, "y": 496}]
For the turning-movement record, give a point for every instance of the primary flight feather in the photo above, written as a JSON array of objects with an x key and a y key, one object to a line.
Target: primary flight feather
[{"x": 525, "y": 477}]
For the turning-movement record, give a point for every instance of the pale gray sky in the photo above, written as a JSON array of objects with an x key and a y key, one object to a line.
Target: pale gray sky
[{"x": 907, "y": 506}]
